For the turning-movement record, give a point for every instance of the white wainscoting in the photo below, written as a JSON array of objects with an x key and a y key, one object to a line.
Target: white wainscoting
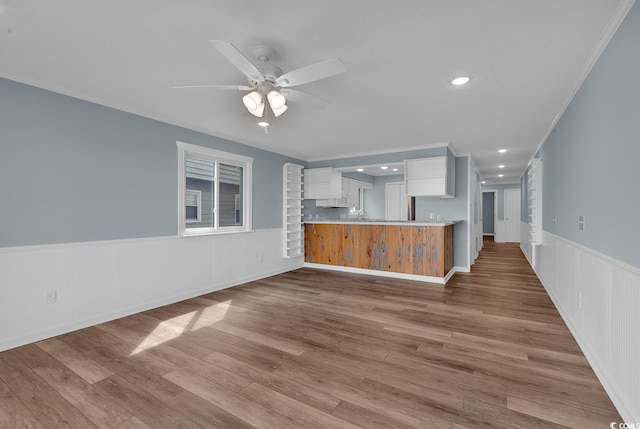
[
  {"x": 605, "y": 320},
  {"x": 100, "y": 281}
]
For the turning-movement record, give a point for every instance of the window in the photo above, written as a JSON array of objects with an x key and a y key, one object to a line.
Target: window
[
  {"x": 214, "y": 190},
  {"x": 193, "y": 206}
]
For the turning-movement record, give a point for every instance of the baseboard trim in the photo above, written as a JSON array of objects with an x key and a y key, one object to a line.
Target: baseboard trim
[
  {"x": 459, "y": 269},
  {"x": 404, "y": 276},
  {"x": 528, "y": 259},
  {"x": 63, "y": 329}
]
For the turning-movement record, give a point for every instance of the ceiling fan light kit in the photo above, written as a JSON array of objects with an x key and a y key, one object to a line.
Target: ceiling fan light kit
[{"x": 267, "y": 80}]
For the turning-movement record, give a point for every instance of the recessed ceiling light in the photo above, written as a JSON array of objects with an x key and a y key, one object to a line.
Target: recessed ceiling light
[
  {"x": 501, "y": 166},
  {"x": 502, "y": 150},
  {"x": 483, "y": 182},
  {"x": 360, "y": 170},
  {"x": 384, "y": 167},
  {"x": 263, "y": 123},
  {"x": 394, "y": 169},
  {"x": 460, "y": 80},
  {"x": 500, "y": 175}
]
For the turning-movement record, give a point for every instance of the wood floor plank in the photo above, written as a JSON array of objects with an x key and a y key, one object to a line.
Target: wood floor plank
[
  {"x": 149, "y": 409},
  {"x": 205, "y": 413},
  {"x": 13, "y": 413},
  {"x": 285, "y": 405},
  {"x": 47, "y": 405},
  {"x": 367, "y": 418},
  {"x": 85, "y": 367},
  {"x": 237, "y": 405},
  {"x": 134, "y": 423},
  {"x": 227, "y": 379},
  {"x": 299, "y": 392},
  {"x": 96, "y": 406}
]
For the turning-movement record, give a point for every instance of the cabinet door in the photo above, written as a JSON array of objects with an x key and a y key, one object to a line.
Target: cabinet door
[
  {"x": 318, "y": 183},
  {"x": 354, "y": 194},
  {"x": 426, "y": 177},
  {"x": 426, "y": 168}
]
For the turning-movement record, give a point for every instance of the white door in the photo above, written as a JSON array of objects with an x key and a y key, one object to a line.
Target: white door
[
  {"x": 512, "y": 215},
  {"x": 395, "y": 201}
]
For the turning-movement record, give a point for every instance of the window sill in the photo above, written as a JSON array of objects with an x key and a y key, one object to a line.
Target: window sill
[{"x": 200, "y": 234}]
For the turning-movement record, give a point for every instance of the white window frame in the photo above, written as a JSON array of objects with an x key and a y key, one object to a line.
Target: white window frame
[
  {"x": 185, "y": 150},
  {"x": 198, "y": 195}
]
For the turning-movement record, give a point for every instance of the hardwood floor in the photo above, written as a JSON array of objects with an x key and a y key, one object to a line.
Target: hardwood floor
[{"x": 319, "y": 349}]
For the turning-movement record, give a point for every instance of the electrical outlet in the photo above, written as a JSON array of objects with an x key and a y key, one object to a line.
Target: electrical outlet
[
  {"x": 579, "y": 300},
  {"x": 51, "y": 297},
  {"x": 582, "y": 223},
  {"x": 555, "y": 219}
]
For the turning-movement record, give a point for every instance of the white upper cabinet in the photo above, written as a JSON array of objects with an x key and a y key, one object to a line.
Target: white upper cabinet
[
  {"x": 329, "y": 189},
  {"x": 322, "y": 183},
  {"x": 430, "y": 177}
]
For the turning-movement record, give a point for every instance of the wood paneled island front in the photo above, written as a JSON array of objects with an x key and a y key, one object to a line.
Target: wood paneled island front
[{"x": 405, "y": 248}]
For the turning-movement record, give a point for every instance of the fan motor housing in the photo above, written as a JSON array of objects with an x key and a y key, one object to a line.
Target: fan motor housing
[{"x": 270, "y": 73}]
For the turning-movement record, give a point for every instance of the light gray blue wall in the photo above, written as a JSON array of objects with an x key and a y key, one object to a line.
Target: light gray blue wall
[
  {"x": 359, "y": 176},
  {"x": 375, "y": 198},
  {"x": 488, "y": 208},
  {"x": 590, "y": 160},
  {"x": 452, "y": 209},
  {"x": 73, "y": 171},
  {"x": 500, "y": 192}
]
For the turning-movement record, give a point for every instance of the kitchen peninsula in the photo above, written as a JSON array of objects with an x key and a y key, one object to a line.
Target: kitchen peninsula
[{"x": 407, "y": 249}]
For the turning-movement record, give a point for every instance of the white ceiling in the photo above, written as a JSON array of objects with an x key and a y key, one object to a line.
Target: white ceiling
[{"x": 526, "y": 58}]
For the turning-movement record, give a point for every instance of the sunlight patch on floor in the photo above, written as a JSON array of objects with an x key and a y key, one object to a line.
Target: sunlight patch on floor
[{"x": 171, "y": 329}]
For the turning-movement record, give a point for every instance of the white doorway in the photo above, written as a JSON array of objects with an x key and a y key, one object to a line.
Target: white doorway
[
  {"x": 512, "y": 215},
  {"x": 395, "y": 201},
  {"x": 489, "y": 212}
]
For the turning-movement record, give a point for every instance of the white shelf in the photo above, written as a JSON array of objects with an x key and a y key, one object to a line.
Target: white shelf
[
  {"x": 534, "y": 200},
  {"x": 292, "y": 226}
]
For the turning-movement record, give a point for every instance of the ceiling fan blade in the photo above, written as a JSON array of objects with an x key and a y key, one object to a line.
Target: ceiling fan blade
[
  {"x": 312, "y": 73},
  {"x": 238, "y": 59},
  {"x": 235, "y": 87},
  {"x": 305, "y": 98}
]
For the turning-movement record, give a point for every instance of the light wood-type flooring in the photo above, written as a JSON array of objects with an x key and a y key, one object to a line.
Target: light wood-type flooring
[{"x": 320, "y": 349}]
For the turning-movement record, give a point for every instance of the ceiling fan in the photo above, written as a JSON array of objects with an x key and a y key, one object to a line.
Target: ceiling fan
[{"x": 267, "y": 82}]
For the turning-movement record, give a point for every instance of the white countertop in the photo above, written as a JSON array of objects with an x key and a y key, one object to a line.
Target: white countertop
[{"x": 383, "y": 222}]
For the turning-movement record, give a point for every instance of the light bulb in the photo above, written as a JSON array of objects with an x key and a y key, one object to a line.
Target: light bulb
[
  {"x": 276, "y": 100},
  {"x": 279, "y": 111},
  {"x": 254, "y": 104}
]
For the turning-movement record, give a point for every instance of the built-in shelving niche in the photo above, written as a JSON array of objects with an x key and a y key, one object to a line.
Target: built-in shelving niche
[
  {"x": 534, "y": 200},
  {"x": 292, "y": 225}
]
